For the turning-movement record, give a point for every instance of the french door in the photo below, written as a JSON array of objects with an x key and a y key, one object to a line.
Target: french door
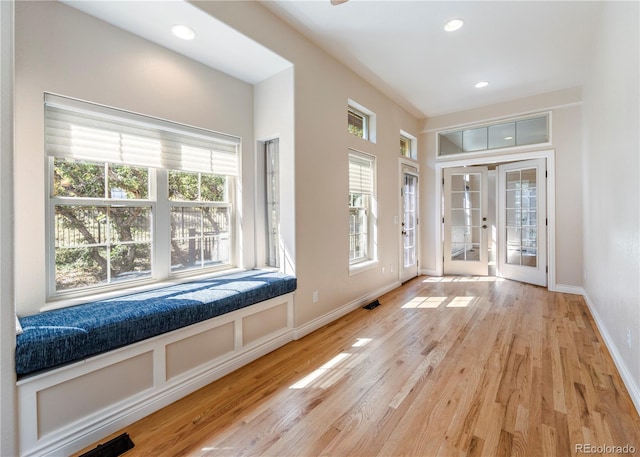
[
  {"x": 522, "y": 226},
  {"x": 465, "y": 221},
  {"x": 409, "y": 232}
]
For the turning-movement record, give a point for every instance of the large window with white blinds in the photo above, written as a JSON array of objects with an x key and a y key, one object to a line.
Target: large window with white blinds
[
  {"x": 134, "y": 198},
  {"x": 361, "y": 207}
]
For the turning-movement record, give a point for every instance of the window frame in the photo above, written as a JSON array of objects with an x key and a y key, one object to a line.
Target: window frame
[
  {"x": 158, "y": 200},
  {"x": 272, "y": 202},
  {"x": 98, "y": 202},
  {"x": 487, "y": 126},
  {"x": 365, "y": 122},
  {"x": 369, "y": 134},
  {"x": 227, "y": 204},
  {"x": 412, "y": 146},
  {"x": 369, "y": 206}
]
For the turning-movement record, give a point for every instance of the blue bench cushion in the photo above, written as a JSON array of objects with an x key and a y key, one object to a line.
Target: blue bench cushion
[{"x": 61, "y": 336}]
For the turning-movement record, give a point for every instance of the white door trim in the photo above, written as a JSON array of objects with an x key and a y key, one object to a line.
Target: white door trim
[{"x": 548, "y": 154}]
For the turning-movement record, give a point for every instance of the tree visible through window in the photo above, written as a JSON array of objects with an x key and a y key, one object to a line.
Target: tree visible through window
[
  {"x": 133, "y": 197},
  {"x": 102, "y": 223},
  {"x": 358, "y": 123},
  {"x": 200, "y": 234}
]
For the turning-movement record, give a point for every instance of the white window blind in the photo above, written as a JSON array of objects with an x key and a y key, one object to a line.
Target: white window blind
[
  {"x": 360, "y": 174},
  {"x": 85, "y": 131}
]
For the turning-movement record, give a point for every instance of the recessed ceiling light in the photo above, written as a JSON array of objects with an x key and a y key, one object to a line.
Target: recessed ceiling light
[
  {"x": 508, "y": 138},
  {"x": 453, "y": 25},
  {"x": 184, "y": 32},
  {"x": 481, "y": 84}
]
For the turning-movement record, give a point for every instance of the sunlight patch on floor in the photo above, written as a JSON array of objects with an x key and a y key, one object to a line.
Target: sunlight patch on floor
[
  {"x": 322, "y": 371},
  {"x": 361, "y": 342},
  {"x": 460, "y": 302},
  {"x": 425, "y": 302},
  {"x": 463, "y": 279},
  {"x": 436, "y": 302}
]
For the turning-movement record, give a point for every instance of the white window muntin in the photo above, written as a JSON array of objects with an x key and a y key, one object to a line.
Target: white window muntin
[{"x": 182, "y": 148}]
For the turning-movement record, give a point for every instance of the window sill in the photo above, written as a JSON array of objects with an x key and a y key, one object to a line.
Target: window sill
[{"x": 362, "y": 267}]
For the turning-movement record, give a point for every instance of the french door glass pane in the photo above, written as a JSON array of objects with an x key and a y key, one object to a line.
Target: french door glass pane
[
  {"x": 521, "y": 218},
  {"x": 409, "y": 219},
  {"x": 466, "y": 220},
  {"x": 467, "y": 252}
]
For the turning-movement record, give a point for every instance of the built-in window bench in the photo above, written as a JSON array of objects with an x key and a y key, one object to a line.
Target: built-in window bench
[{"x": 88, "y": 370}]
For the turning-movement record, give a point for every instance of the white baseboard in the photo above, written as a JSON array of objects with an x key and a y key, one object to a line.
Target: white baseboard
[
  {"x": 321, "y": 321},
  {"x": 565, "y": 289},
  {"x": 629, "y": 382},
  {"x": 429, "y": 272}
]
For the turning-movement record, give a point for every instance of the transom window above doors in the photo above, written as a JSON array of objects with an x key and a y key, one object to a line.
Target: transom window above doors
[{"x": 505, "y": 134}]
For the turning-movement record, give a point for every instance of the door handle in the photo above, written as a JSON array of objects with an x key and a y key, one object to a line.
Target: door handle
[
  {"x": 404, "y": 233},
  {"x": 484, "y": 226}
]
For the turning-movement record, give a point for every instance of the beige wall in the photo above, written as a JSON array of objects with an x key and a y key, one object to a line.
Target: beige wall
[
  {"x": 322, "y": 87},
  {"x": 612, "y": 194},
  {"x": 565, "y": 108},
  {"x": 64, "y": 51},
  {"x": 160, "y": 83},
  {"x": 273, "y": 118}
]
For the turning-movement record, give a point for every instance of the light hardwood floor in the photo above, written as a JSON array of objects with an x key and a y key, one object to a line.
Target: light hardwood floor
[{"x": 444, "y": 367}]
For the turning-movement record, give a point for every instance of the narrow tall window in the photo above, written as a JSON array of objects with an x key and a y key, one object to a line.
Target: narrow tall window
[
  {"x": 273, "y": 202},
  {"x": 361, "y": 205}
]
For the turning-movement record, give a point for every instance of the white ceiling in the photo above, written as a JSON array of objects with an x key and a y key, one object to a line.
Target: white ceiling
[
  {"x": 216, "y": 44},
  {"x": 522, "y": 48}
]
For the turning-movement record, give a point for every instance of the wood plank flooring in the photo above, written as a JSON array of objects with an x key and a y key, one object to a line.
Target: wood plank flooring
[{"x": 450, "y": 366}]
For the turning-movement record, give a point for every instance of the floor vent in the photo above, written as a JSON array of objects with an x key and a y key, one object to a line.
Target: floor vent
[
  {"x": 372, "y": 305},
  {"x": 112, "y": 448}
]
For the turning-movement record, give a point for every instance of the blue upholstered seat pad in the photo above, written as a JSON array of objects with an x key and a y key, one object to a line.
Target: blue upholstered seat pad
[{"x": 61, "y": 336}]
